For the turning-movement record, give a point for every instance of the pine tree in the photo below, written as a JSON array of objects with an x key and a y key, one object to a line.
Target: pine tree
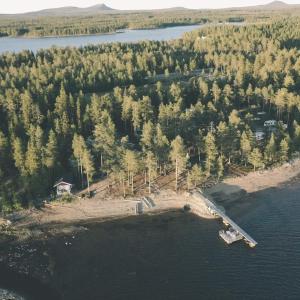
[
  {"x": 216, "y": 91},
  {"x": 51, "y": 151},
  {"x": 19, "y": 156},
  {"x": 270, "y": 150},
  {"x": 245, "y": 145},
  {"x": 203, "y": 87},
  {"x": 32, "y": 163},
  {"x": 79, "y": 147},
  {"x": 136, "y": 117},
  {"x": 284, "y": 150},
  {"x": 256, "y": 159},
  {"x": 4, "y": 153},
  {"x": 195, "y": 177},
  {"x": 27, "y": 109},
  {"x": 147, "y": 142},
  {"x": 146, "y": 109},
  {"x": 296, "y": 139},
  {"x": 88, "y": 166},
  {"x": 151, "y": 165},
  {"x": 175, "y": 92},
  {"x": 161, "y": 150},
  {"x": 288, "y": 81},
  {"x": 39, "y": 140},
  {"x": 79, "y": 105},
  {"x": 220, "y": 167},
  {"x": 249, "y": 93},
  {"x": 178, "y": 157},
  {"x": 211, "y": 152},
  {"x": 118, "y": 175},
  {"x": 234, "y": 118},
  {"x": 224, "y": 140},
  {"x": 131, "y": 166},
  {"x": 61, "y": 104},
  {"x": 105, "y": 139}
]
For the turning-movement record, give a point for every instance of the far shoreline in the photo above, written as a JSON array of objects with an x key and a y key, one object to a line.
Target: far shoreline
[{"x": 119, "y": 31}]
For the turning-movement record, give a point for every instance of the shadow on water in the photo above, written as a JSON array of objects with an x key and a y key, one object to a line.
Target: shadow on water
[{"x": 25, "y": 286}]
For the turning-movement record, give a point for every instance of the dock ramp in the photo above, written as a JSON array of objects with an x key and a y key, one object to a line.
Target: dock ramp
[{"x": 215, "y": 210}]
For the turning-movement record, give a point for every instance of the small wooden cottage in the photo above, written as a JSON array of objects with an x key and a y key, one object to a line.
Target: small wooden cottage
[{"x": 63, "y": 187}]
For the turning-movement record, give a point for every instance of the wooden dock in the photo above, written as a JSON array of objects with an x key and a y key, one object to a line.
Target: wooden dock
[{"x": 215, "y": 210}]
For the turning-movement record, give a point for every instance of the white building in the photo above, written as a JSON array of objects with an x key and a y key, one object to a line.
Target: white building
[
  {"x": 63, "y": 187},
  {"x": 270, "y": 123}
]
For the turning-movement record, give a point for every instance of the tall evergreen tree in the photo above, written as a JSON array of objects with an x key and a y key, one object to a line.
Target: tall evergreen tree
[
  {"x": 178, "y": 157},
  {"x": 161, "y": 148},
  {"x": 211, "y": 153},
  {"x": 270, "y": 150},
  {"x": 79, "y": 147},
  {"x": 131, "y": 166},
  {"x": 245, "y": 146},
  {"x": 19, "y": 156},
  {"x": 151, "y": 165},
  {"x": 256, "y": 159},
  {"x": 105, "y": 139},
  {"x": 284, "y": 150},
  {"x": 88, "y": 167},
  {"x": 147, "y": 139}
]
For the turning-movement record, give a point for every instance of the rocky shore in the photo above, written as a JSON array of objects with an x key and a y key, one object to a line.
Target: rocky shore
[{"x": 7, "y": 295}]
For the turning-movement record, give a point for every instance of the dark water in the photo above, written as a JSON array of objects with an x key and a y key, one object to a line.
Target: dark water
[
  {"x": 34, "y": 44},
  {"x": 26, "y": 287},
  {"x": 180, "y": 256}
]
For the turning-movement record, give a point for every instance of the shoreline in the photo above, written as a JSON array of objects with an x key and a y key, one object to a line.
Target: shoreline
[
  {"x": 65, "y": 217},
  {"x": 124, "y": 30},
  {"x": 62, "y": 36},
  {"x": 118, "y": 31},
  {"x": 257, "y": 181}
]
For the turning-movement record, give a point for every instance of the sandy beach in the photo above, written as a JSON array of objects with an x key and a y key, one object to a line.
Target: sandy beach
[
  {"x": 257, "y": 181},
  {"x": 101, "y": 208}
]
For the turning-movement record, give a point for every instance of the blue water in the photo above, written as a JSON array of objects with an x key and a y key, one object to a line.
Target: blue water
[{"x": 34, "y": 44}]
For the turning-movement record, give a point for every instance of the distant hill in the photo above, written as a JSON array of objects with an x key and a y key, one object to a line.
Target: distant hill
[
  {"x": 275, "y": 5},
  {"x": 91, "y": 10},
  {"x": 104, "y": 9},
  {"x": 70, "y": 11}
]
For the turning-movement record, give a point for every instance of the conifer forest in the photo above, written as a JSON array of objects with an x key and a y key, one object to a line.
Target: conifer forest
[{"x": 220, "y": 96}]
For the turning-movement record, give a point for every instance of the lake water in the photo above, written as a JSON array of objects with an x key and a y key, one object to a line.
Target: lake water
[
  {"x": 180, "y": 256},
  {"x": 34, "y": 44}
]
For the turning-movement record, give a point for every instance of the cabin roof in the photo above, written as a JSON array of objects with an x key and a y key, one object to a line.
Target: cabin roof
[{"x": 61, "y": 182}]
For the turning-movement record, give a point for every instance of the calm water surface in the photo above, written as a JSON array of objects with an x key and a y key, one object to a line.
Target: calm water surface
[
  {"x": 180, "y": 256},
  {"x": 34, "y": 44}
]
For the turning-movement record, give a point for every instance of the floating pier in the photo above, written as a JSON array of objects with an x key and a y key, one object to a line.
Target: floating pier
[
  {"x": 230, "y": 236},
  {"x": 235, "y": 233}
]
